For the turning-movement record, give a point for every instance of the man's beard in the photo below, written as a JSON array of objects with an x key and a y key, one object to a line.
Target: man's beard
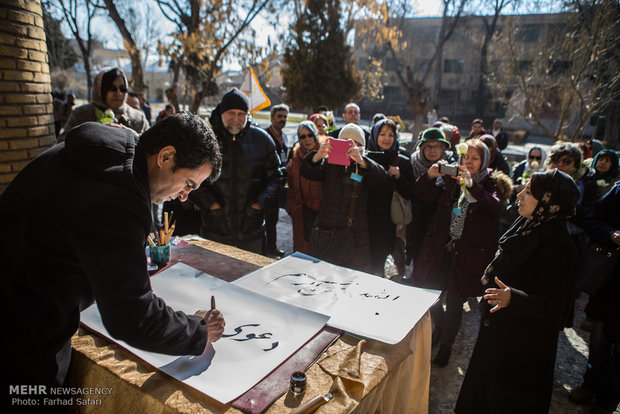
[{"x": 233, "y": 130}]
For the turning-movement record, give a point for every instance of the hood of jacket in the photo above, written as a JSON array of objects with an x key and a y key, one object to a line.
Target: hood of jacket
[
  {"x": 106, "y": 153},
  {"x": 218, "y": 126}
]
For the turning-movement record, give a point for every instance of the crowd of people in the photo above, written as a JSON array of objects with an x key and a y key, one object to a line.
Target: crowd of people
[{"x": 511, "y": 237}]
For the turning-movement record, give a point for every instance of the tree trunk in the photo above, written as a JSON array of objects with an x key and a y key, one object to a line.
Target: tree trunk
[
  {"x": 171, "y": 92},
  {"x": 137, "y": 75},
  {"x": 482, "y": 98}
]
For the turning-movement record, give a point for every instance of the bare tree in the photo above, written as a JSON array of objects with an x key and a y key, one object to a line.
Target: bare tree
[
  {"x": 79, "y": 15},
  {"x": 490, "y": 30},
  {"x": 572, "y": 74},
  {"x": 137, "y": 74},
  {"x": 206, "y": 33},
  {"x": 413, "y": 74}
]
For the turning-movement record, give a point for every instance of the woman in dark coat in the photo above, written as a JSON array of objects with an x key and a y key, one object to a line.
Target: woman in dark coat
[
  {"x": 432, "y": 147},
  {"x": 303, "y": 194},
  {"x": 383, "y": 149},
  {"x": 461, "y": 240},
  {"x": 344, "y": 201},
  {"x": 527, "y": 292}
]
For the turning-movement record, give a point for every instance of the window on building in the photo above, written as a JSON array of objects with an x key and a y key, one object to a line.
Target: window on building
[
  {"x": 453, "y": 65},
  {"x": 529, "y": 33}
]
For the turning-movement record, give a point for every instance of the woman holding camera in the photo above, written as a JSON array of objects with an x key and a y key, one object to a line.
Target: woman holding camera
[
  {"x": 527, "y": 292},
  {"x": 461, "y": 239}
]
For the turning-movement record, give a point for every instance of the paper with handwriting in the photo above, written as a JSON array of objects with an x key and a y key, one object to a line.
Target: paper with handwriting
[
  {"x": 356, "y": 302},
  {"x": 260, "y": 333}
]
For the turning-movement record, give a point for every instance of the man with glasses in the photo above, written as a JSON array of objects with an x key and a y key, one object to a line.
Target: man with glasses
[
  {"x": 77, "y": 219},
  {"x": 108, "y": 105},
  {"x": 351, "y": 115},
  {"x": 233, "y": 208}
]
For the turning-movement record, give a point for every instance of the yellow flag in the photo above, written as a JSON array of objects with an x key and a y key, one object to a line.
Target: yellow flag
[{"x": 251, "y": 87}]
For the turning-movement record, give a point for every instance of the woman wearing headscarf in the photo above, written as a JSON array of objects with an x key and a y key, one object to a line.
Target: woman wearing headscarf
[
  {"x": 383, "y": 149},
  {"x": 527, "y": 290},
  {"x": 303, "y": 195},
  {"x": 606, "y": 170},
  {"x": 340, "y": 233},
  {"x": 431, "y": 148},
  {"x": 108, "y": 105},
  {"x": 322, "y": 124},
  {"x": 535, "y": 161},
  {"x": 497, "y": 162},
  {"x": 461, "y": 239}
]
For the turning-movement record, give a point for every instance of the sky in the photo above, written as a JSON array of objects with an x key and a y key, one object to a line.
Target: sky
[{"x": 106, "y": 31}]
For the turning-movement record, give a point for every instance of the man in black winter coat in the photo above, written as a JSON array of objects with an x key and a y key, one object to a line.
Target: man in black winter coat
[
  {"x": 75, "y": 225},
  {"x": 233, "y": 207}
]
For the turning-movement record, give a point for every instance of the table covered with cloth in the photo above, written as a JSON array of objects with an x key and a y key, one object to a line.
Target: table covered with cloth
[{"x": 364, "y": 376}]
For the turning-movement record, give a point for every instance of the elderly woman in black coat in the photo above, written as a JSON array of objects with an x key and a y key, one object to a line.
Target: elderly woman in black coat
[
  {"x": 340, "y": 233},
  {"x": 527, "y": 288}
]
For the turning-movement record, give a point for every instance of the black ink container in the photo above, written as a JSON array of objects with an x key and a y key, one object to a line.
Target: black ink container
[{"x": 298, "y": 383}]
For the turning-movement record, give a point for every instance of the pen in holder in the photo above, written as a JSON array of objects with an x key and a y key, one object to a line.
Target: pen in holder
[{"x": 160, "y": 255}]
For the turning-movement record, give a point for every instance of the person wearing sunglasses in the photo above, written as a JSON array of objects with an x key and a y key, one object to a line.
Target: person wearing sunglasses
[
  {"x": 303, "y": 195},
  {"x": 568, "y": 158},
  {"x": 535, "y": 161},
  {"x": 108, "y": 105}
]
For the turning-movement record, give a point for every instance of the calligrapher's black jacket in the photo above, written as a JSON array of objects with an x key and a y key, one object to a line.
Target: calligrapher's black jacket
[
  {"x": 249, "y": 166},
  {"x": 511, "y": 368},
  {"x": 336, "y": 200},
  {"x": 74, "y": 230}
]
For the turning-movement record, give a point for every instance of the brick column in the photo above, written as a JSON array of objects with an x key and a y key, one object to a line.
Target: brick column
[{"x": 26, "y": 117}]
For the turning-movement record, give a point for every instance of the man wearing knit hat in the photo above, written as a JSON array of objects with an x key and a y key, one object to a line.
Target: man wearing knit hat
[{"x": 233, "y": 207}]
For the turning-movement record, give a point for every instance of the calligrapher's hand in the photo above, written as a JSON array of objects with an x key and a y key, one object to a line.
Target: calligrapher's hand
[
  {"x": 215, "y": 324},
  {"x": 324, "y": 150},
  {"x": 498, "y": 298}
]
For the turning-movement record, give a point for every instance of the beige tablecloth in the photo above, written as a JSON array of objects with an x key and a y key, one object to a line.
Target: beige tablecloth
[{"x": 365, "y": 376}]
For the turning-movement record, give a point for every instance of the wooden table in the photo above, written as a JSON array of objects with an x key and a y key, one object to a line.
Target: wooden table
[{"x": 365, "y": 376}]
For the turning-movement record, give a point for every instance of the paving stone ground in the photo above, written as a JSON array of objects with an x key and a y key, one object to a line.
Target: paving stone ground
[{"x": 446, "y": 382}]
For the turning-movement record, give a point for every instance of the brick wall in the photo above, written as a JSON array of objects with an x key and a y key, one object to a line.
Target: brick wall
[{"x": 26, "y": 117}]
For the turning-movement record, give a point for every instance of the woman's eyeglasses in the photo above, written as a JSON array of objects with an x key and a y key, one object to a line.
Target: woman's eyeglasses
[
  {"x": 304, "y": 136},
  {"x": 533, "y": 157},
  {"x": 114, "y": 89}
]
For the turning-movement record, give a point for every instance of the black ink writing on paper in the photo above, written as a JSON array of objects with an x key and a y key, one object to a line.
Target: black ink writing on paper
[
  {"x": 251, "y": 334},
  {"x": 311, "y": 286}
]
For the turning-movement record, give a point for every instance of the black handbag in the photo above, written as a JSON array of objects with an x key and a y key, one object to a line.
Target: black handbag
[{"x": 595, "y": 264}]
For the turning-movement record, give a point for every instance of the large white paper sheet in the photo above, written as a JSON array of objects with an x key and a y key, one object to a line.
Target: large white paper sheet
[
  {"x": 356, "y": 302},
  {"x": 260, "y": 333}
]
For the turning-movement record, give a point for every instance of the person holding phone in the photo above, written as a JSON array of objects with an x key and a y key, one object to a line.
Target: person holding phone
[
  {"x": 340, "y": 234},
  {"x": 527, "y": 291},
  {"x": 461, "y": 239}
]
